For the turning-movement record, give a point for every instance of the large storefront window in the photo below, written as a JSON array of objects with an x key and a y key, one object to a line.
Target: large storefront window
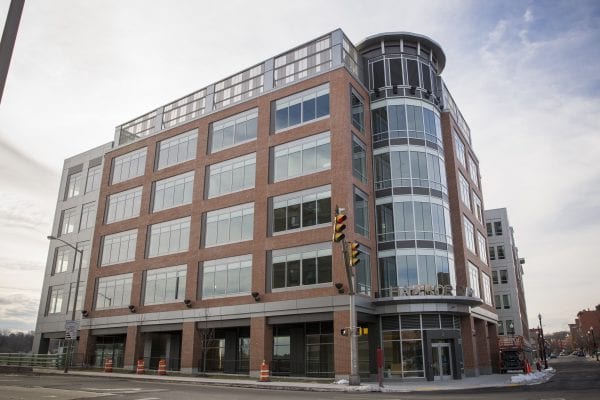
[
  {"x": 228, "y": 351},
  {"x": 112, "y": 347},
  {"x": 303, "y": 350}
]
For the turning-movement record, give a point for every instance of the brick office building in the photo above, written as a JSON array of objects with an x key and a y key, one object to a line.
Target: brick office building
[{"x": 212, "y": 240}]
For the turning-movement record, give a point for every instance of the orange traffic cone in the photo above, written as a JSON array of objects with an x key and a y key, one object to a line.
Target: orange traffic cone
[
  {"x": 162, "y": 367},
  {"x": 140, "y": 367}
]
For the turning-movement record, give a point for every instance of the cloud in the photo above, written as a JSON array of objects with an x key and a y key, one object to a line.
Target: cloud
[{"x": 18, "y": 309}]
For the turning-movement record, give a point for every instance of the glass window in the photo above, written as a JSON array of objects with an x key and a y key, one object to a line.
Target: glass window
[
  {"x": 63, "y": 259},
  {"x": 301, "y": 266},
  {"x": 464, "y": 190},
  {"x": 305, "y": 209},
  {"x": 426, "y": 77},
  {"x": 359, "y": 159},
  {"x": 232, "y": 175},
  {"x": 487, "y": 290},
  {"x": 506, "y": 301},
  {"x": 358, "y": 111},
  {"x": 173, "y": 192},
  {"x": 473, "y": 171},
  {"x": 302, "y": 107},
  {"x": 495, "y": 277},
  {"x": 88, "y": 216},
  {"x": 129, "y": 166},
  {"x": 94, "y": 178},
  {"x": 488, "y": 225},
  {"x": 503, "y": 276},
  {"x": 363, "y": 274},
  {"x": 302, "y": 157},
  {"x": 229, "y": 225},
  {"x": 482, "y": 247},
  {"x": 227, "y": 276},
  {"x": 124, "y": 205},
  {"x": 361, "y": 213},
  {"x": 492, "y": 251},
  {"x": 474, "y": 279},
  {"x": 177, "y": 149},
  {"x": 500, "y": 328},
  {"x": 234, "y": 130},
  {"x": 68, "y": 221},
  {"x": 395, "y": 71},
  {"x": 500, "y": 252},
  {"x": 74, "y": 185},
  {"x": 412, "y": 67},
  {"x": 169, "y": 237},
  {"x": 498, "y": 302},
  {"x": 477, "y": 208},
  {"x": 114, "y": 291},
  {"x": 165, "y": 285},
  {"x": 378, "y": 74},
  {"x": 498, "y": 228},
  {"x": 55, "y": 301},
  {"x": 459, "y": 147},
  {"x": 469, "y": 234},
  {"x": 118, "y": 247}
]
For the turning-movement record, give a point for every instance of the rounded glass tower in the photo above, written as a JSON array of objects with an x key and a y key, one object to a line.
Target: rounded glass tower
[{"x": 415, "y": 257}]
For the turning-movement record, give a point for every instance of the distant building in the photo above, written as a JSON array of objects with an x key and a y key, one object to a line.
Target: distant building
[
  {"x": 213, "y": 223},
  {"x": 587, "y": 321},
  {"x": 507, "y": 275}
]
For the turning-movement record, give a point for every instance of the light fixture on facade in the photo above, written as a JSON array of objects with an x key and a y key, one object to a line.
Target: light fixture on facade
[{"x": 256, "y": 296}]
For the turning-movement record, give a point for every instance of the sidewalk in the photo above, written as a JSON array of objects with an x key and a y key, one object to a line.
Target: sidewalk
[{"x": 484, "y": 381}]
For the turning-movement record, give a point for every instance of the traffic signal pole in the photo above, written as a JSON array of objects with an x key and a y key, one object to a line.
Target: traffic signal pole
[{"x": 339, "y": 236}]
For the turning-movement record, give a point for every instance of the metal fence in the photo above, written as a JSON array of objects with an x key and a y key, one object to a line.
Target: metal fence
[{"x": 32, "y": 360}]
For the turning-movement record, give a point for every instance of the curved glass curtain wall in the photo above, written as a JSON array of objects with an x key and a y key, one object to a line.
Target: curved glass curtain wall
[{"x": 413, "y": 218}]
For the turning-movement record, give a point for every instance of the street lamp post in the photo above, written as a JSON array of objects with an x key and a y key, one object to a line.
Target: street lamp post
[
  {"x": 80, "y": 251},
  {"x": 543, "y": 343},
  {"x": 591, "y": 331}
]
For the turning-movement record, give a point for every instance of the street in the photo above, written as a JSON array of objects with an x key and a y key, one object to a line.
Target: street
[{"x": 576, "y": 379}]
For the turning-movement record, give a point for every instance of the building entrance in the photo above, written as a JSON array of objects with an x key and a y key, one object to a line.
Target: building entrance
[{"x": 441, "y": 360}]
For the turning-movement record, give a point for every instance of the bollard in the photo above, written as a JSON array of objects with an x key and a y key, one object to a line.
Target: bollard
[
  {"x": 264, "y": 372},
  {"x": 108, "y": 365},
  {"x": 162, "y": 367},
  {"x": 140, "y": 367}
]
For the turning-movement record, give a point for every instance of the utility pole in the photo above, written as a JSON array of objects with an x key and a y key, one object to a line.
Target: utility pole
[
  {"x": 9, "y": 36},
  {"x": 543, "y": 343}
]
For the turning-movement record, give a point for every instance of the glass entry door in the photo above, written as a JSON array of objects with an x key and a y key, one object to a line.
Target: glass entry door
[{"x": 441, "y": 360}]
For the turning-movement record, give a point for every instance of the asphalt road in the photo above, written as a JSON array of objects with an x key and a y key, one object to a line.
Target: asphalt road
[{"x": 576, "y": 379}]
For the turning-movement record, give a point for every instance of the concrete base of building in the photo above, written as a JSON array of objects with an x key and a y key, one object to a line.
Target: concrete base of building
[
  {"x": 190, "y": 371},
  {"x": 472, "y": 372}
]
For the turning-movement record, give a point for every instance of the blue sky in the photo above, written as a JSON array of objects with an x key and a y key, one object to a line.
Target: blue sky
[{"x": 524, "y": 73}]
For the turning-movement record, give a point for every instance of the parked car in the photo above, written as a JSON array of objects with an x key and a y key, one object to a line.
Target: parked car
[
  {"x": 553, "y": 355},
  {"x": 580, "y": 354}
]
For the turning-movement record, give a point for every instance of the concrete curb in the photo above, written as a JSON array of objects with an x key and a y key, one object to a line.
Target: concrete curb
[{"x": 290, "y": 386}]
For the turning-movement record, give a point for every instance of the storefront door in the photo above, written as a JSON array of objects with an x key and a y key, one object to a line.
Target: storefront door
[{"x": 441, "y": 360}]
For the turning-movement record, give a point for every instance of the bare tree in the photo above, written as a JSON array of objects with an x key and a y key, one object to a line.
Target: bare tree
[{"x": 207, "y": 335}]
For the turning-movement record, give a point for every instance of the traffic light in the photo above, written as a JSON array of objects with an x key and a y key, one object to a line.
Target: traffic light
[
  {"x": 354, "y": 254},
  {"x": 344, "y": 331},
  {"x": 339, "y": 226},
  {"x": 362, "y": 331}
]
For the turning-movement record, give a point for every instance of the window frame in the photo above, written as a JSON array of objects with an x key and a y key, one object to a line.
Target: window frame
[
  {"x": 315, "y": 142},
  {"x": 300, "y": 98},
  {"x": 235, "y": 121},
  {"x": 319, "y": 193},
  {"x": 223, "y": 264},
  {"x": 164, "y": 228},
  {"x": 245, "y": 161},
  {"x": 186, "y": 179},
  {"x": 176, "y": 141},
  {"x": 215, "y": 216},
  {"x": 127, "y": 197}
]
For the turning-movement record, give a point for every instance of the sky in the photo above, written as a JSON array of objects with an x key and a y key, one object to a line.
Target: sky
[{"x": 525, "y": 74}]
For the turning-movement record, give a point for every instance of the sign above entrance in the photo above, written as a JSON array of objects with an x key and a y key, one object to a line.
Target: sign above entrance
[{"x": 71, "y": 328}]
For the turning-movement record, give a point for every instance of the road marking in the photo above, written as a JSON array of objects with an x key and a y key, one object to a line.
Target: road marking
[{"x": 150, "y": 398}]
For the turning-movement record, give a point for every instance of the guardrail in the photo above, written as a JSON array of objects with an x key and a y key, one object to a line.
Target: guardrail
[{"x": 32, "y": 360}]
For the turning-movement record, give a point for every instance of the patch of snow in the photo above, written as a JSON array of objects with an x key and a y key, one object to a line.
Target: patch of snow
[
  {"x": 342, "y": 382},
  {"x": 533, "y": 378}
]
